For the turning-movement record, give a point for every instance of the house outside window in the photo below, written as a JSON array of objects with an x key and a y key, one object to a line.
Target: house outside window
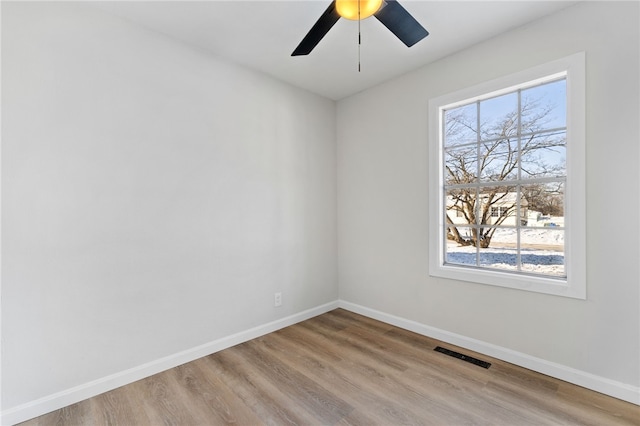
[{"x": 507, "y": 165}]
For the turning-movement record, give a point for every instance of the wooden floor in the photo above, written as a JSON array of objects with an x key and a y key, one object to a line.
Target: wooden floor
[{"x": 344, "y": 369}]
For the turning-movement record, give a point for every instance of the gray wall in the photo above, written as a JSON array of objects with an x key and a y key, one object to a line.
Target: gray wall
[
  {"x": 383, "y": 199},
  {"x": 153, "y": 198}
]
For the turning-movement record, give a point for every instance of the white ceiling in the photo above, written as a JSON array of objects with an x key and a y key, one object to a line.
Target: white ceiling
[{"x": 262, "y": 34}]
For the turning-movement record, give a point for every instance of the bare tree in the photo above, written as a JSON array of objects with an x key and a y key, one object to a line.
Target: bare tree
[
  {"x": 506, "y": 150},
  {"x": 547, "y": 199}
]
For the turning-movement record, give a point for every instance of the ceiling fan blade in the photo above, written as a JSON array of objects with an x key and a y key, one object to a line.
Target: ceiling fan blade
[
  {"x": 401, "y": 23},
  {"x": 318, "y": 31}
]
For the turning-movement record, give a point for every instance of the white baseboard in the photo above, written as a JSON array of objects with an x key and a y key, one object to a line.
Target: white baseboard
[
  {"x": 67, "y": 397},
  {"x": 603, "y": 385}
]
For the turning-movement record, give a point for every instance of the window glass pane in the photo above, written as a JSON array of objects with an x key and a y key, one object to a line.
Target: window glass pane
[
  {"x": 502, "y": 252},
  {"x": 545, "y": 106},
  {"x": 461, "y": 206},
  {"x": 456, "y": 250},
  {"x": 544, "y": 204},
  {"x": 499, "y": 160},
  {"x": 497, "y": 206},
  {"x": 499, "y": 116},
  {"x": 504, "y": 237},
  {"x": 544, "y": 155},
  {"x": 542, "y": 251},
  {"x": 461, "y": 165},
  {"x": 460, "y": 125}
]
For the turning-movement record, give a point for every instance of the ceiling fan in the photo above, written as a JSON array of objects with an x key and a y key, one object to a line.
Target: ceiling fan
[{"x": 389, "y": 12}]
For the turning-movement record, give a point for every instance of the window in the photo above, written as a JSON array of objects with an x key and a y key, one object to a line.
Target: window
[
  {"x": 507, "y": 181},
  {"x": 500, "y": 212}
]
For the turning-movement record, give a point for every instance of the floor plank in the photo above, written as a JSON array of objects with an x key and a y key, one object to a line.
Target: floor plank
[{"x": 341, "y": 368}]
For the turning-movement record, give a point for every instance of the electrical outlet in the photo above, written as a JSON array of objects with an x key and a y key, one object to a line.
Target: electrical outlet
[{"x": 277, "y": 299}]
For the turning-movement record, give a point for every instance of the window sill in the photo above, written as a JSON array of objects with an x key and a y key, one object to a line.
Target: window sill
[{"x": 537, "y": 284}]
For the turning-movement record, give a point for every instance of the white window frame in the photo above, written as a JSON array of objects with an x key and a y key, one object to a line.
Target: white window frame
[{"x": 575, "y": 233}]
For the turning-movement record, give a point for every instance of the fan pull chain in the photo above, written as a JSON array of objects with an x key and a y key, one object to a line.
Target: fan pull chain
[
  {"x": 359, "y": 43},
  {"x": 359, "y": 36}
]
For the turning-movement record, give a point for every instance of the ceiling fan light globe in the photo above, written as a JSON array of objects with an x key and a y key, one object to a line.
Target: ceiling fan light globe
[{"x": 349, "y": 8}]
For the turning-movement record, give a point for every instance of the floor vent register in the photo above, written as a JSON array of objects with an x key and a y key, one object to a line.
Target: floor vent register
[{"x": 467, "y": 358}]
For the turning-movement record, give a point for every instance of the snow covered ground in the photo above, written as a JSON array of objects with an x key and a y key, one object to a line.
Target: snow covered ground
[
  {"x": 542, "y": 251},
  {"x": 537, "y": 236}
]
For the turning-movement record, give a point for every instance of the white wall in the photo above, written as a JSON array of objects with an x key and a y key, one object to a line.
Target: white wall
[
  {"x": 153, "y": 198},
  {"x": 383, "y": 199}
]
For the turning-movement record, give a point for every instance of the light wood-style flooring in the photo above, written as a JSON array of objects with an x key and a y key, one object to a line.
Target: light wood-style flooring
[{"x": 341, "y": 368}]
